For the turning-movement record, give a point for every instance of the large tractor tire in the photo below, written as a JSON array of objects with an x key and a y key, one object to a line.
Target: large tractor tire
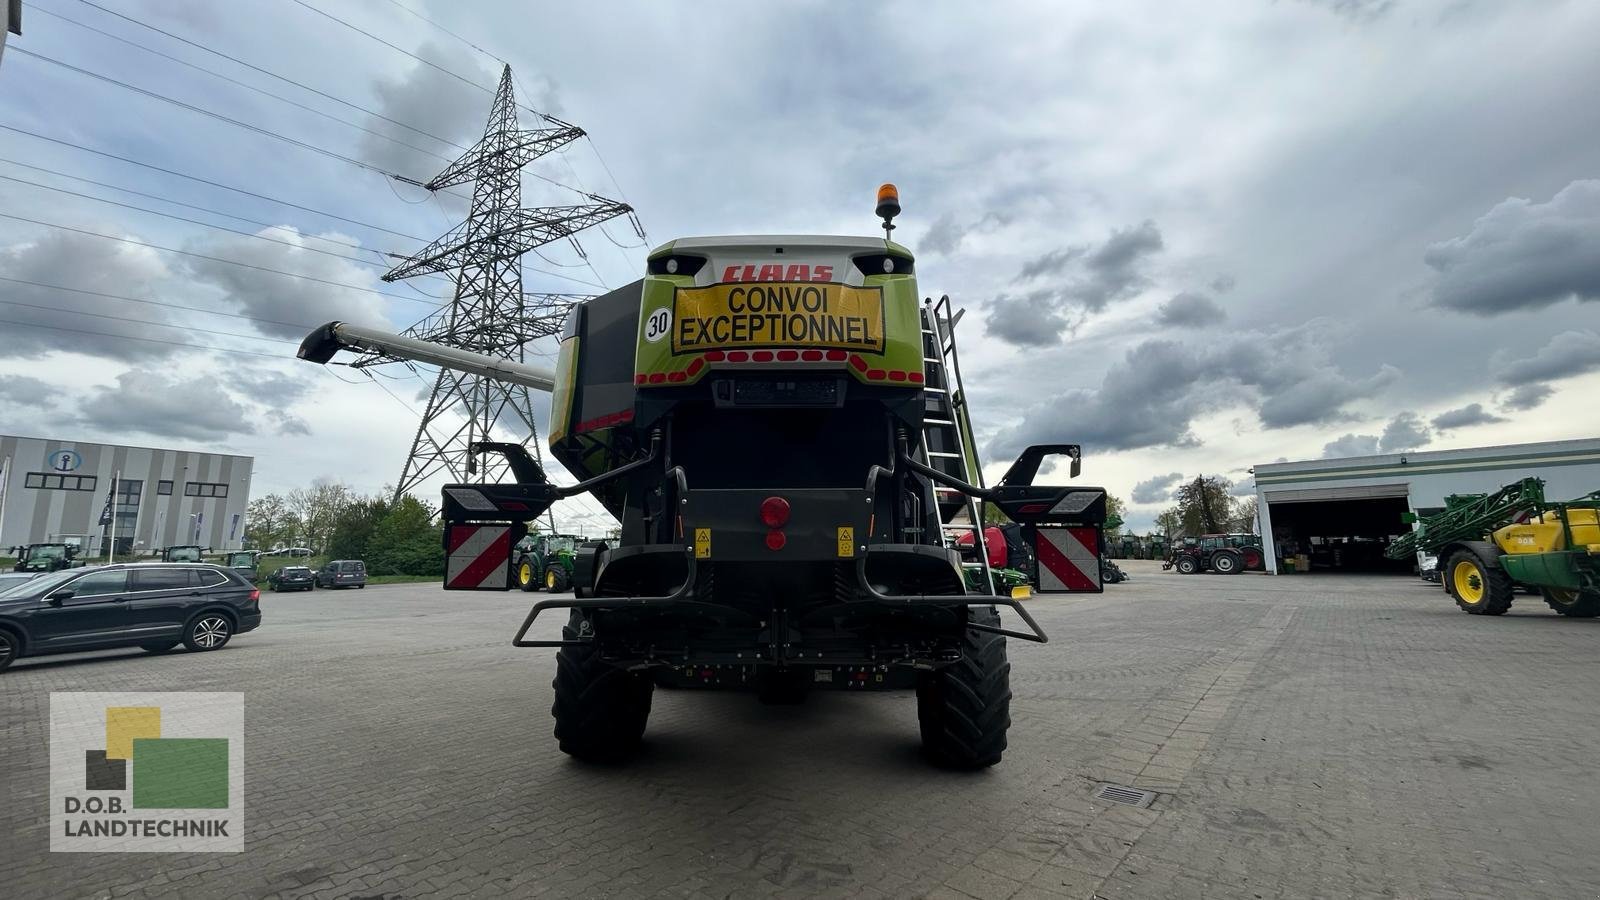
[
  {"x": 556, "y": 579},
  {"x": 1187, "y": 565},
  {"x": 1477, "y": 586},
  {"x": 528, "y": 577},
  {"x": 1227, "y": 562},
  {"x": 600, "y": 710},
  {"x": 1576, "y": 604},
  {"x": 964, "y": 709},
  {"x": 1255, "y": 559}
]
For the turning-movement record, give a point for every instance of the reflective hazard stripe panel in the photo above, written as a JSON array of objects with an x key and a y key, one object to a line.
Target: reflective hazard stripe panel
[
  {"x": 479, "y": 558},
  {"x": 1067, "y": 559}
]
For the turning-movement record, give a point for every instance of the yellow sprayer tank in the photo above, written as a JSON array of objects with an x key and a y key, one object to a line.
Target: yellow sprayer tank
[{"x": 1544, "y": 534}]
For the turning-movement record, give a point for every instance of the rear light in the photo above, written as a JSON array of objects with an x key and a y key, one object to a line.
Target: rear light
[
  {"x": 255, "y": 595},
  {"x": 776, "y": 540},
  {"x": 774, "y": 513}
]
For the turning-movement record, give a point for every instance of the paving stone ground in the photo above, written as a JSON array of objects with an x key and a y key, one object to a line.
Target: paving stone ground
[{"x": 1309, "y": 736}]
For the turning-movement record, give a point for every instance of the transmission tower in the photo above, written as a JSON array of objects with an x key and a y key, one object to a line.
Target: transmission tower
[{"x": 489, "y": 312}]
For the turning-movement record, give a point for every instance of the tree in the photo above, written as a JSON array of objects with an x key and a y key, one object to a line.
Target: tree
[
  {"x": 353, "y": 526},
  {"x": 1114, "y": 508},
  {"x": 269, "y": 524},
  {"x": 406, "y": 541},
  {"x": 1170, "y": 522},
  {"x": 1204, "y": 506},
  {"x": 316, "y": 509},
  {"x": 1244, "y": 515}
]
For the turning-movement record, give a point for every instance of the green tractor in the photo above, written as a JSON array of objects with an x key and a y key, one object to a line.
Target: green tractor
[
  {"x": 49, "y": 557},
  {"x": 1488, "y": 545},
  {"x": 753, "y": 413},
  {"x": 184, "y": 553},
  {"x": 544, "y": 561}
]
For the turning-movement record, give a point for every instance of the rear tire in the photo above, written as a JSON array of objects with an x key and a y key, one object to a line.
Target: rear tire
[
  {"x": 1187, "y": 565},
  {"x": 1227, "y": 562},
  {"x": 10, "y": 648},
  {"x": 557, "y": 580},
  {"x": 208, "y": 631},
  {"x": 1476, "y": 586},
  {"x": 527, "y": 576},
  {"x": 964, "y": 709},
  {"x": 600, "y": 710},
  {"x": 1574, "y": 604}
]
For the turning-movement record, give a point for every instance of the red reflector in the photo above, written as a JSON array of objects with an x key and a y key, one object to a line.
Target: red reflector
[
  {"x": 761, "y": 356},
  {"x": 859, "y": 364},
  {"x": 875, "y": 374},
  {"x": 897, "y": 375},
  {"x": 774, "y": 512},
  {"x": 737, "y": 356},
  {"x": 788, "y": 355},
  {"x": 676, "y": 377},
  {"x": 812, "y": 356},
  {"x": 776, "y": 540},
  {"x": 916, "y": 377},
  {"x": 255, "y": 595},
  {"x": 696, "y": 365},
  {"x": 1033, "y": 508},
  {"x": 638, "y": 379},
  {"x": 658, "y": 377},
  {"x": 515, "y": 505},
  {"x": 837, "y": 355},
  {"x": 716, "y": 356}
]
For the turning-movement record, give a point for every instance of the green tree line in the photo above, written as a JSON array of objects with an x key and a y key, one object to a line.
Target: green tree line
[{"x": 393, "y": 537}]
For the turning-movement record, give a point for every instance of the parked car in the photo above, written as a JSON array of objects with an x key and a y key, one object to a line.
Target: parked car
[
  {"x": 292, "y": 578},
  {"x": 342, "y": 573},
  {"x": 155, "y": 606}
]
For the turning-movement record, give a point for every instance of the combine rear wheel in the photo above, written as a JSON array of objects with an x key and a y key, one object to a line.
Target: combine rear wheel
[
  {"x": 600, "y": 710},
  {"x": 964, "y": 709},
  {"x": 1478, "y": 588},
  {"x": 1577, "y": 604}
]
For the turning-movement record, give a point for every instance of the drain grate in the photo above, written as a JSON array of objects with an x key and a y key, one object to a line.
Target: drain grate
[{"x": 1117, "y": 793}]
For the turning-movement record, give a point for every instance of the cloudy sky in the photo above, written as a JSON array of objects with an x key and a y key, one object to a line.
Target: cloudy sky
[{"x": 1193, "y": 236}]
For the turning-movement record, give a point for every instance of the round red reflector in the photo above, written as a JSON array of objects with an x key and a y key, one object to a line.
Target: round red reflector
[
  {"x": 776, "y": 540},
  {"x": 774, "y": 512}
]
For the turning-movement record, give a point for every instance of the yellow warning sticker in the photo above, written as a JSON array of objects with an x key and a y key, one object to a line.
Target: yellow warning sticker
[
  {"x": 777, "y": 315},
  {"x": 702, "y": 543},
  {"x": 847, "y": 542}
]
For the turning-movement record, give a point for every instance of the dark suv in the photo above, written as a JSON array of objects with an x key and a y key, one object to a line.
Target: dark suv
[
  {"x": 151, "y": 605},
  {"x": 292, "y": 578},
  {"x": 343, "y": 573}
]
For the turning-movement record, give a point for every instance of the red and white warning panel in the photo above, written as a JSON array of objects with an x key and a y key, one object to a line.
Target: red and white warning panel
[
  {"x": 1068, "y": 560},
  {"x": 478, "y": 558}
]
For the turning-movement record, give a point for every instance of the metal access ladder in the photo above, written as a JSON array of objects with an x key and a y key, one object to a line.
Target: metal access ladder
[{"x": 947, "y": 429}]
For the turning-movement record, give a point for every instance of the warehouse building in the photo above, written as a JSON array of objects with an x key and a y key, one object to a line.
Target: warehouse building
[
  {"x": 57, "y": 491},
  {"x": 1340, "y": 514}
]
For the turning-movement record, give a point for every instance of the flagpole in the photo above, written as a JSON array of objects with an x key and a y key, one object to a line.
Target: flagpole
[
  {"x": 111, "y": 545},
  {"x": 5, "y": 476}
]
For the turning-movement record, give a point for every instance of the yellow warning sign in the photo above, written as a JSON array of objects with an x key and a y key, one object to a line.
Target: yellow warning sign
[
  {"x": 847, "y": 542},
  {"x": 702, "y": 543},
  {"x": 792, "y": 314}
]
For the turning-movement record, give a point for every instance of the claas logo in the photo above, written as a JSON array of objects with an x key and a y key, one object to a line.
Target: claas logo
[{"x": 777, "y": 272}]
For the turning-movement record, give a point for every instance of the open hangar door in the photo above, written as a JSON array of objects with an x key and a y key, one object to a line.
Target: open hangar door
[{"x": 1340, "y": 529}]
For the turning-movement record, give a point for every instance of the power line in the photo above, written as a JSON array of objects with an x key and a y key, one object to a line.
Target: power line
[
  {"x": 198, "y": 309},
  {"x": 129, "y": 337},
  {"x": 269, "y": 73},
  {"x": 267, "y": 132},
  {"x": 399, "y": 49},
  {"x": 246, "y": 85},
  {"x": 80, "y": 312},
  {"x": 220, "y": 259},
  {"x": 215, "y": 184}
]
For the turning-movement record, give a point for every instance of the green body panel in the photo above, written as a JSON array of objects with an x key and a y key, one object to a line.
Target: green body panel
[
  {"x": 1558, "y": 569},
  {"x": 1004, "y": 579}
]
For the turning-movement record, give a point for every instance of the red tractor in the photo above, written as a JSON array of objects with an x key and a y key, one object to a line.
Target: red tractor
[{"x": 1213, "y": 553}]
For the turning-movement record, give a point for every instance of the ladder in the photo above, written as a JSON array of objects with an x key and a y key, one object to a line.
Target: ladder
[{"x": 947, "y": 429}]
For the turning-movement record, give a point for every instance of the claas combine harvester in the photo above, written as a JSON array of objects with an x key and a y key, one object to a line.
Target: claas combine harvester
[
  {"x": 756, "y": 413},
  {"x": 1489, "y": 544}
]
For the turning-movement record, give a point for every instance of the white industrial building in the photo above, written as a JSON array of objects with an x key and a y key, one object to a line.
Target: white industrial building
[
  {"x": 1341, "y": 513},
  {"x": 56, "y": 491}
]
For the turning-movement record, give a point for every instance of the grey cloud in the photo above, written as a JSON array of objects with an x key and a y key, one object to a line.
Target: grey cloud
[
  {"x": 1034, "y": 319},
  {"x": 1465, "y": 417},
  {"x": 1150, "y": 396},
  {"x": 90, "y": 264},
  {"x": 1404, "y": 432},
  {"x": 167, "y": 406},
  {"x": 271, "y": 388},
  {"x": 1568, "y": 353},
  {"x": 1084, "y": 279},
  {"x": 1350, "y": 445},
  {"x": 1355, "y": 10},
  {"x": 293, "y": 425},
  {"x": 1523, "y": 255},
  {"x": 945, "y": 235},
  {"x": 1223, "y": 283},
  {"x": 1527, "y": 396},
  {"x": 1157, "y": 489},
  {"x": 1243, "y": 488},
  {"x": 26, "y": 391},
  {"x": 1052, "y": 263},
  {"x": 1190, "y": 309},
  {"x": 300, "y": 302}
]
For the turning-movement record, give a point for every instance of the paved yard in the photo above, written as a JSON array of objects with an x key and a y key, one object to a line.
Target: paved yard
[{"x": 1310, "y": 736}]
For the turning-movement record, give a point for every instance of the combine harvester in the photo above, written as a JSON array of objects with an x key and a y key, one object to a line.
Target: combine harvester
[
  {"x": 1489, "y": 544},
  {"x": 778, "y": 424}
]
